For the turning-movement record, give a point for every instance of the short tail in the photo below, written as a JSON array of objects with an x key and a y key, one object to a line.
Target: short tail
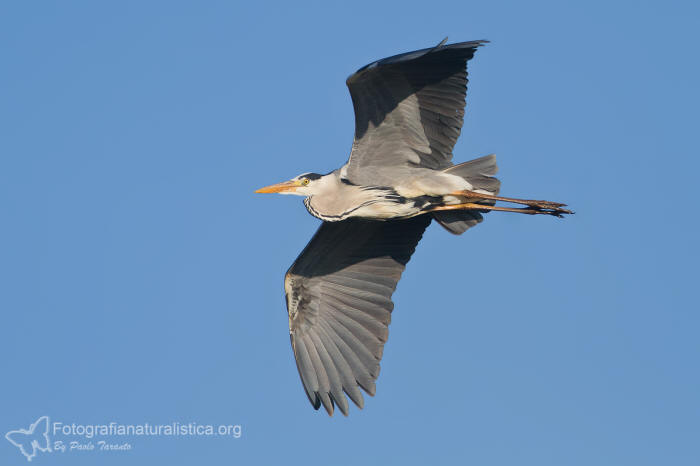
[{"x": 479, "y": 173}]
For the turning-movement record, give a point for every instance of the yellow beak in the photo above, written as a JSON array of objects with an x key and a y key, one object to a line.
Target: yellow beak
[{"x": 280, "y": 187}]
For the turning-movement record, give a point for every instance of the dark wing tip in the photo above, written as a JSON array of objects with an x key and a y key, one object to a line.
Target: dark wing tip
[
  {"x": 467, "y": 46},
  {"x": 408, "y": 56},
  {"x": 461, "y": 45},
  {"x": 329, "y": 402}
]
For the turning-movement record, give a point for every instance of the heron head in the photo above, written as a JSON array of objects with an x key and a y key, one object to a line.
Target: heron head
[{"x": 302, "y": 185}]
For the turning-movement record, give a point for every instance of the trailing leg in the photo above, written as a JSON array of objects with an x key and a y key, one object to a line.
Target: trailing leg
[
  {"x": 538, "y": 205},
  {"x": 520, "y": 210}
]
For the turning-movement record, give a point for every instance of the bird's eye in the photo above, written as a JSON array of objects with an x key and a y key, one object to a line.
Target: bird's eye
[{"x": 305, "y": 181}]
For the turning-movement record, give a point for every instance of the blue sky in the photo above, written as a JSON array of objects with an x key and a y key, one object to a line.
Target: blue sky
[{"x": 141, "y": 278}]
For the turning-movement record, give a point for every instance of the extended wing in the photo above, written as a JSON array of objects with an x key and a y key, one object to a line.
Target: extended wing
[
  {"x": 339, "y": 302},
  {"x": 409, "y": 111}
]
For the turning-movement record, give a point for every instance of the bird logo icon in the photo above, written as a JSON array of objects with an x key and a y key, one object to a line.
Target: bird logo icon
[{"x": 36, "y": 437}]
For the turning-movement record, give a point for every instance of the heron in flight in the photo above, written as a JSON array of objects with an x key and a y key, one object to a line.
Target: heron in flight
[{"x": 409, "y": 111}]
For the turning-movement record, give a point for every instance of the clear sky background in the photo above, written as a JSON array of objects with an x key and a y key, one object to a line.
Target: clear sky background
[{"x": 141, "y": 278}]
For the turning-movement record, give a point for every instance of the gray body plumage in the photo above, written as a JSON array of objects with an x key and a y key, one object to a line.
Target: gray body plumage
[{"x": 336, "y": 197}]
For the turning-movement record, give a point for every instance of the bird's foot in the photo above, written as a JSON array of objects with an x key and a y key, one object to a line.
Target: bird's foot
[
  {"x": 552, "y": 208},
  {"x": 544, "y": 204}
]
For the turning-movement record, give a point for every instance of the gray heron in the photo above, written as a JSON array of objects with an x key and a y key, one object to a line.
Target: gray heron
[{"x": 409, "y": 111}]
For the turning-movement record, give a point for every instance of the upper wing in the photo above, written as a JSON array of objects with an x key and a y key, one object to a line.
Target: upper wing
[
  {"x": 339, "y": 302},
  {"x": 409, "y": 111}
]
